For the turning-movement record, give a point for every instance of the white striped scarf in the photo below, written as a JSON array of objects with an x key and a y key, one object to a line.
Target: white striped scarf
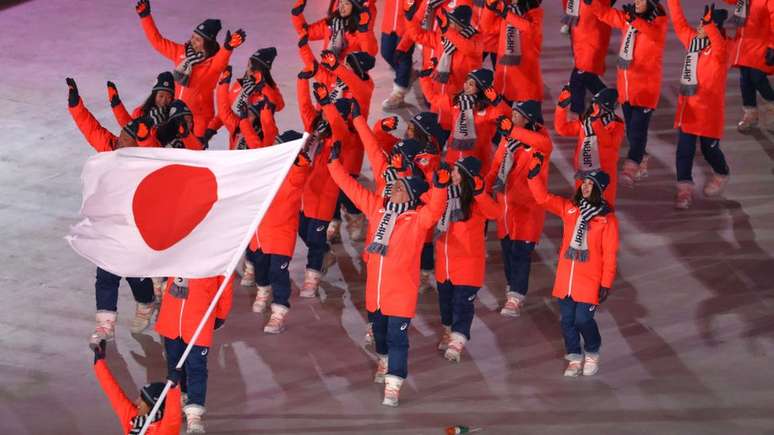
[
  {"x": 239, "y": 105},
  {"x": 464, "y": 135},
  {"x": 139, "y": 421},
  {"x": 571, "y": 13},
  {"x": 453, "y": 212},
  {"x": 428, "y": 18},
  {"x": 512, "y": 145},
  {"x": 337, "y": 91},
  {"x": 381, "y": 240},
  {"x": 579, "y": 244},
  {"x": 626, "y": 52},
  {"x": 182, "y": 72},
  {"x": 444, "y": 64},
  {"x": 741, "y": 12},
  {"x": 512, "y": 53},
  {"x": 588, "y": 154},
  {"x": 390, "y": 175},
  {"x": 338, "y": 42},
  {"x": 689, "y": 78}
]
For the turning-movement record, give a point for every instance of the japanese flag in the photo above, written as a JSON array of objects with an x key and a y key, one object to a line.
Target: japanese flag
[{"x": 175, "y": 212}]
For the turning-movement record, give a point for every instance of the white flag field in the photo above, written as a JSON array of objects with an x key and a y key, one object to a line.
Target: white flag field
[{"x": 175, "y": 212}]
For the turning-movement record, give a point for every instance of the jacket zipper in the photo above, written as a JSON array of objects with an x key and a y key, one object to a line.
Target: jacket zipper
[
  {"x": 739, "y": 46},
  {"x": 379, "y": 284},
  {"x": 626, "y": 83},
  {"x": 572, "y": 272},
  {"x": 395, "y": 18},
  {"x": 180, "y": 320},
  {"x": 446, "y": 253}
]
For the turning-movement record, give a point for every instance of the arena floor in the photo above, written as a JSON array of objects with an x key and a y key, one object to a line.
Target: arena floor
[{"x": 688, "y": 334}]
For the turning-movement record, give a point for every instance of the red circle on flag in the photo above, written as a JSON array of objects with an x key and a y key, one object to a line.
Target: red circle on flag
[{"x": 171, "y": 201}]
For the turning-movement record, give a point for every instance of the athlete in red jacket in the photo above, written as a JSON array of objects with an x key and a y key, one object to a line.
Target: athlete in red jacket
[
  {"x": 460, "y": 253},
  {"x": 155, "y": 106},
  {"x": 599, "y": 131},
  {"x": 701, "y": 103},
  {"x": 392, "y": 276},
  {"x": 643, "y": 25},
  {"x": 271, "y": 249},
  {"x": 393, "y": 28},
  {"x": 345, "y": 30},
  {"x": 752, "y": 51},
  {"x": 182, "y": 308},
  {"x": 520, "y": 223},
  {"x": 135, "y": 133},
  {"x": 133, "y": 415},
  {"x": 589, "y": 38},
  {"x": 253, "y": 126},
  {"x": 198, "y": 63},
  {"x": 587, "y": 263}
]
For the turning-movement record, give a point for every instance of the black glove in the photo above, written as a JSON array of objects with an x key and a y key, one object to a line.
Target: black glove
[
  {"x": 218, "y": 323},
  {"x": 565, "y": 97},
  {"x": 630, "y": 12},
  {"x": 234, "y": 40},
  {"x": 443, "y": 21},
  {"x": 604, "y": 292},
  {"x": 143, "y": 8},
  {"x": 355, "y": 108},
  {"x": 335, "y": 151},
  {"x": 588, "y": 2},
  {"x": 535, "y": 170},
  {"x": 426, "y": 72},
  {"x": 175, "y": 376},
  {"x": 308, "y": 74},
  {"x": 113, "y": 94},
  {"x": 496, "y": 6},
  {"x": 504, "y": 125},
  {"x": 770, "y": 56},
  {"x": 442, "y": 176},
  {"x": 298, "y": 8},
  {"x": 208, "y": 134},
  {"x": 72, "y": 96},
  {"x": 411, "y": 11},
  {"x": 363, "y": 21},
  {"x": 328, "y": 60},
  {"x": 225, "y": 76},
  {"x": 99, "y": 350},
  {"x": 303, "y": 40},
  {"x": 321, "y": 94},
  {"x": 709, "y": 11}
]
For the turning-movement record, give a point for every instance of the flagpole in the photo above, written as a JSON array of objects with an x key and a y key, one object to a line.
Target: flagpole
[{"x": 229, "y": 271}]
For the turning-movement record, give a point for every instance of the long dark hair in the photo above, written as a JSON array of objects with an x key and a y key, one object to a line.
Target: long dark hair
[
  {"x": 595, "y": 198},
  {"x": 481, "y": 101},
  {"x": 466, "y": 194},
  {"x": 350, "y": 22},
  {"x": 149, "y": 103},
  {"x": 265, "y": 72},
  {"x": 211, "y": 47}
]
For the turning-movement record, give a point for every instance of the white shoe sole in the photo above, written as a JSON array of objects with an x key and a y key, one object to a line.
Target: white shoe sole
[{"x": 390, "y": 403}]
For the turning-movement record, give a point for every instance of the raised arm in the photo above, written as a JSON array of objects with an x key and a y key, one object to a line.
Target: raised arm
[
  {"x": 613, "y": 17},
  {"x": 169, "y": 49},
  {"x": 537, "y": 185},
  {"x": 122, "y": 406},
  {"x": 685, "y": 32},
  {"x": 98, "y": 136},
  {"x": 305, "y": 106},
  {"x": 173, "y": 418},
  {"x": 430, "y": 213},
  {"x": 719, "y": 44},
  {"x": 364, "y": 199},
  {"x": 374, "y": 152},
  {"x": 487, "y": 206},
  {"x": 119, "y": 110},
  {"x": 562, "y": 125}
]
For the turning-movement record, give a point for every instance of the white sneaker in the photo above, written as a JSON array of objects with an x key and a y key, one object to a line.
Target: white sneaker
[
  {"x": 628, "y": 175},
  {"x": 684, "y": 196},
  {"x": 456, "y": 344},
  {"x": 749, "y": 120},
  {"x": 333, "y": 234},
  {"x": 513, "y": 305},
  {"x": 715, "y": 185},
  {"x": 142, "y": 317},
  {"x": 369, "y": 335},
  {"x": 193, "y": 418},
  {"x": 356, "y": 225},
  {"x": 104, "y": 329},
  {"x": 425, "y": 281},
  {"x": 392, "y": 386},
  {"x": 642, "y": 171},
  {"x": 574, "y": 368},
  {"x": 381, "y": 369},
  {"x": 590, "y": 364},
  {"x": 248, "y": 275},
  {"x": 396, "y": 98},
  {"x": 262, "y": 298},
  {"x": 444, "y": 343},
  {"x": 276, "y": 323},
  {"x": 311, "y": 283}
]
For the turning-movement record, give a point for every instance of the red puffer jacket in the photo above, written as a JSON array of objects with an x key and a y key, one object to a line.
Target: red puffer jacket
[
  {"x": 126, "y": 410},
  {"x": 180, "y": 317},
  {"x": 394, "y": 19},
  {"x": 460, "y": 252},
  {"x": 279, "y": 227},
  {"x": 754, "y": 36},
  {"x": 523, "y": 81},
  {"x": 273, "y": 94},
  {"x": 581, "y": 279},
  {"x": 640, "y": 84},
  {"x": 609, "y": 138},
  {"x": 392, "y": 280},
  {"x": 198, "y": 95},
  {"x": 320, "y": 31},
  {"x": 589, "y": 39},
  {"x": 521, "y": 218},
  {"x": 702, "y": 114}
]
